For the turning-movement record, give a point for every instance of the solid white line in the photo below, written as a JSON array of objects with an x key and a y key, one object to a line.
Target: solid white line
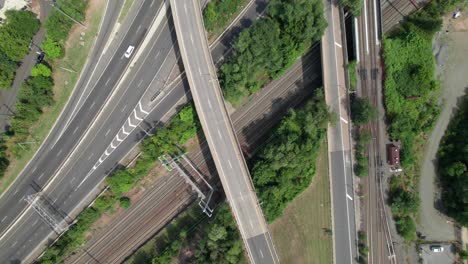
[
  {"x": 342, "y": 143},
  {"x": 356, "y": 33},
  {"x": 130, "y": 123},
  {"x": 365, "y": 26},
  {"x": 344, "y": 120},
  {"x": 336, "y": 43},
  {"x": 134, "y": 111},
  {"x": 74, "y": 131},
  {"x": 107, "y": 133},
  {"x": 125, "y": 132},
  {"x": 377, "y": 42},
  {"x": 141, "y": 108}
]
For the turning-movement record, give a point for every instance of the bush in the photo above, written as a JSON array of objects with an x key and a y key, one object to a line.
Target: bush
[
  {"x": 17, "y": 32},
  {"x": 125, "y": 202},
  {"x": 4, "y": 160},
  {"x": 7, "y": 71},
  {"x": 361, "y": 167},
  {"x": 406, "y": 228},
  {"x": 362, "y": 110},
  {"x": 41, "y": 69},
  {"x": 219, "y": 12}
]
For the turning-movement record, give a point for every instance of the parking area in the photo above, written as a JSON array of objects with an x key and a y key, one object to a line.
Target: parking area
[{"x": 437, "y": 254}]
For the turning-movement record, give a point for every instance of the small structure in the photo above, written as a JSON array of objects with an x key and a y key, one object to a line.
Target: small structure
[{"x": 393, "y": 155}]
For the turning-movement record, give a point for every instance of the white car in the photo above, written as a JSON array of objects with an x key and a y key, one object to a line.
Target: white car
[
  {"x": 437, "y": 248},
  {"x": 129, "y": 51}
]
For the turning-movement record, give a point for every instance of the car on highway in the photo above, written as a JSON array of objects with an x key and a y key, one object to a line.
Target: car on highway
[
  {"x": 436, "y": 248},
  {"x": 129, "y": 51}
]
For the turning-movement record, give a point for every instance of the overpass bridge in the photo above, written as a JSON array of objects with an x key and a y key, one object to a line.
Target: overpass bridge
[{"x": 219, "y": 132}]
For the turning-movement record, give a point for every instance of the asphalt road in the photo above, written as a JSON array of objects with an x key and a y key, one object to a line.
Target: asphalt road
[
  {"x": 232, "y": 169},
  {"x": 339, "y": 147},
  {"x": 63, "y": 192}
]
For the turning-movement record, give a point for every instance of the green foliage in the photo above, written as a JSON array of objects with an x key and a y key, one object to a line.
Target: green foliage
[
  {"x": 125, "y": 202},
  {"x": 7, "y": 71},
  {"x": 354, "y": 6},
  {"x": 404, "y": 203},
  {"x": 52, "y": 48},
  {"x": 41, "y": 69},
  {"x": 361, "y": 167},
  {"x": 362, "y": 110},
  {"x": 218, "y": 13},
  {"x": 362, "y": 247},
  {"x": 453, "y": 162},
  {"x": 58, "y": 25},
  {"x": 17, "y": 32},
  {"x": 104, "y": 203},
  {"x": 264, "y": 51},
  {"x": 406, "y": 227},
  {"x": 4, "y": 160},
  {"x": 284, "y": 167},
  {"x": 352, "y": 75},
  {"x": 222, "y": 243}
]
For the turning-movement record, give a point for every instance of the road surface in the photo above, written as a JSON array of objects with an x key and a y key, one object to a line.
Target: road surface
[{"x": 216, "y": 124}]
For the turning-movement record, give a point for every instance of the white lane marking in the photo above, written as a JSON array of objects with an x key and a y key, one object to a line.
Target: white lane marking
[
  {"x": 108, "y": 80},
  {"x": 3, "y": 219},
  {"x": 357, "y": 38},
  {"x": 241, "y": 196},
  {"x": 138, "y": 29},
  {"x": 344, "y": 120},
  {"x": 209, "y": 104},
  {"x": 35, "y": 222},
  {"x": 157, "y": 54},
  {"x": 58, "y": 153},
  {"x": 152, "y": 3},
  {"x": 94, "y": 102},
  {"x": 134, "y": 111},
  {"x": 118, "y": 138},
  {"x": 89, "y": 157},
  {"x": 112, "y": 145},
  {"x": 377, "y": 42},
  {"x": 230, "y": 165},
  {"x": 336, "y": 43},
  {"x": 185, "y": 7},
  {"x": 349, "y": 197},
  {"x": 35, "y": 168},
  {"x": 365, "y": 26},
  {"x": 72, "y": 180},
  {"x": 141, "y": 108},
  {"x": 125, "y": 132},
  {"x": 100, "y": 160},
  {"x": 40, "y": 176},
  {"x": 191, "y": 38},
  {"x": 14, "y": 244},
  {"x": 107, "y": 133},
  {"x": 140, "y": 82},
  {"x": 261, "y": 253},
  {"x": 130, "y": 123},
  {"x": 123, "y": 109},
  {"x": 107, "y": 154},
  {"x": 219, "y": 134},
  {"x": 251, "y": 224},
  {"x": 199, "y": 70},
  {"x": 74, "y": 131}
]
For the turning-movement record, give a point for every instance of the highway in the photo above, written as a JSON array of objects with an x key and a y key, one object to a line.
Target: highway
[
  {"x": 63, "y": 160},
  {"x": 219, "y": 133},
  {"x": 170, "y": 194},
  {"x": 339, "y": 144}
]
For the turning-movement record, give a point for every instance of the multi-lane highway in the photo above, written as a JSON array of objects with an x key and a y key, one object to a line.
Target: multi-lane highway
[
  {"x": 339, "y": 145},
  {"x": 219, "y": 133},
  {"x": 114, "y": 107}
]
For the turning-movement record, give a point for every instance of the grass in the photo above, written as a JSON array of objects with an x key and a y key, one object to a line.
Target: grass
[
  {"x": 303, "y": 233},
  {"x": 75, "y": 59},
  {"x": 224, "y": 20},
  {"x": 126, "y": 7}
]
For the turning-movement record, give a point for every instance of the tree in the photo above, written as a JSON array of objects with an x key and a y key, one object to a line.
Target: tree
[
  {"x": 7, "y": 71},
  {"x": 125, "y": 202},
  {"x": 52, "y": 48},
  {"x": 362, "y": 110},
  {"x": 354, "y": 6},
  {"x": 41, "y": 69},
  {"x": 406, "y": 228}
]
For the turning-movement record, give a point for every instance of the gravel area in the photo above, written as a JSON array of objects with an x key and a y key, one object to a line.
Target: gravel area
[{"x": 450, "y": 50}]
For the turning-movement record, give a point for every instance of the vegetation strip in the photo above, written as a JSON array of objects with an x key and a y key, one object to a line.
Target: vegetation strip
[{"x": 411, "y": 99}]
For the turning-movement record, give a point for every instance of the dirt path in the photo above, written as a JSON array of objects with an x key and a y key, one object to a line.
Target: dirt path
[{"x": 450, "y": 50}]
